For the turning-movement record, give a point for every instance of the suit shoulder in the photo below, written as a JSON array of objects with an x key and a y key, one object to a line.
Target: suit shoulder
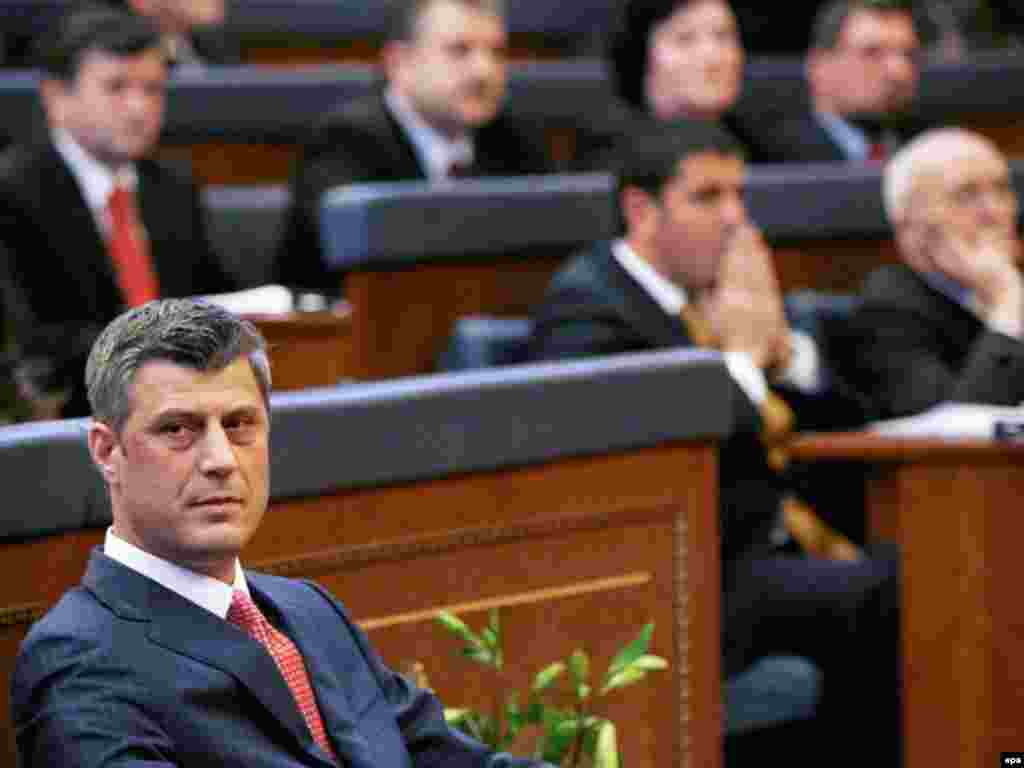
[
  {"x": 360, "y": 117},
  {"x": 892, "y": 283}
]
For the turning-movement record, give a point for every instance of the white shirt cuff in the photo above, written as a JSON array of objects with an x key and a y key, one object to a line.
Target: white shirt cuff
[
  {"x": 745, "y": 372},
  {"x": 804, "y": 370}
]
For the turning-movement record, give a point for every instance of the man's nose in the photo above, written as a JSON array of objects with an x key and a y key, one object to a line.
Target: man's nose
[{"x": 217, "y": 454}]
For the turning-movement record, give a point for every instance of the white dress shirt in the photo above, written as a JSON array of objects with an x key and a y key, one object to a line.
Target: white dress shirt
[
  {"x": 95, "y": 180},
  {"x": 206, "y": 592},
  {"x": 803, "y": 371},
  {"x": 436, "y": 152}
]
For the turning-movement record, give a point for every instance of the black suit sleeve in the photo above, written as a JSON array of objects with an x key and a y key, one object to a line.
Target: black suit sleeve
[{"x": 913, "y": 348}]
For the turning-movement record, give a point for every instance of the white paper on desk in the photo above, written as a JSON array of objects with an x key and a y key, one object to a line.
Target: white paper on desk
[
  {"x": 951, "y": 420},
  {"x": 265, "y": 300}
]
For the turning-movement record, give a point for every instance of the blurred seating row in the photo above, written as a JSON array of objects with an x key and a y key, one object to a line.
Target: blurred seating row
[
  {"x": 228, "y": 106},
  {"x": 405, "y": 484},
  {"x": 327, "y": 24},
  {"x": 417, "y": 257}
]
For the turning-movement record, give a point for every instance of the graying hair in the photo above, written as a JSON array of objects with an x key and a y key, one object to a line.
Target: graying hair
[
  {"x": 187, "y": 332},
  {"x": 930, "y": 152}
]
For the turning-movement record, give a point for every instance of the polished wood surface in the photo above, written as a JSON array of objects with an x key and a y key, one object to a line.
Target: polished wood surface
[
  {"x": 308, "y": 349},
  {"x": 402, "y": 317},
  {"x": 952, "y": 506},
  {"x": 575, "y": 552}
]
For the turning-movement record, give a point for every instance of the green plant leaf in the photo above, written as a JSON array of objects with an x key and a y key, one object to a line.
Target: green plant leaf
[
  {"x": 606, "y": 751},
  {"x": 624, "y": 677},
  {"x": 456, "y": 626},
  {"x": 455, "y": 716},
  {"x": 534, "y": 709},
  {"x": 479, "y": 655},
  {"x": 556, "y": 741},
  {"x": 495, "y": 623},
  {"x": 649, "y": 663},
  {"x": 548, "y": 675},
  {"x": 631, "y": 651},
  {"x": 490, "y": 639},
  {"x": 569, "y": 726},
  {"x": 582, "y": 692},
  {"x": 579, "y": 665}
]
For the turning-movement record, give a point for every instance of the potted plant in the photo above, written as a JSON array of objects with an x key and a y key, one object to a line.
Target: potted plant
[{"x": 559, "y": 721}]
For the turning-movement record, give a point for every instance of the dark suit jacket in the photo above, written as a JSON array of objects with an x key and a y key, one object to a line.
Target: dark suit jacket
[
  {"x": 911, "y": 346},
  {"x": 801, "y": 138},
  {"x": 125, "y": 671},
  {"x": 62, "y": 288},
  {"x": 593, "y": 307},
  {"x": 362, "y": 142}
]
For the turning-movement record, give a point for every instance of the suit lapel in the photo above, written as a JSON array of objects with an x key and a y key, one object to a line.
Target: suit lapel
[
  {"x": 337, "y": 710},
  {"x": 636, "y": 306},
  {"x": 406, "y": 163},
  {"x": 79, "y": 230},
  {"x": 184, "y": 628}
]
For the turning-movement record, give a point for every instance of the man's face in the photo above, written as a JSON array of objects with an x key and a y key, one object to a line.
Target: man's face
[
  {"x": 114, "y": 108},
  {"x": 874, "y": 68},
  {"x": 694, "y": 62},
  {"x": 970, "y": 198},
  {"x": 699, "y": 210},
  {"x": 454, "y": 71},
  {"x": 189, "y": 472}
]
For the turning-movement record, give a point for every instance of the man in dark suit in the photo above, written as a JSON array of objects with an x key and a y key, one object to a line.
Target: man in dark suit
[
  {"x": 169, "y": 653},
  {"x": 862, "y": 73},
  {"x": 74, "y": 204},
  {"x": 948, "y": 323},
  {"x": 439, "y": 117},
  {"x": 691, "y": 265}
]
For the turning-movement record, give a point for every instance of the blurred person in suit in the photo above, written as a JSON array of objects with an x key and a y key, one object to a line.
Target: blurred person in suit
[
  {"x": 90, "y": 223},
  {"x": 667, "y": 60},
  {"x": 169, "y": 653},
  {"x": 947, "y": 324},
  {"x": 862, "y": 73},
  {"x": 691, "y": 270},
  {"x": 438, "y": 116}
]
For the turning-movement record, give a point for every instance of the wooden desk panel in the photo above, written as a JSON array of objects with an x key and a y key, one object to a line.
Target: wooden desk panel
[
  {"x": 308, "y": 349},
  {"x": 952, "y": 507},
  {"x": 402, "y": 317},
  {"x": 577, "y": 551}
]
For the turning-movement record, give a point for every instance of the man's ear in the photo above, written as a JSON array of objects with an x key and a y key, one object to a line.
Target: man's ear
[
  {"x": 636, "y": 205},
  {"x": 393, "y": 55},
  {"x": 52, "y": 92},
  {"x": 105, "y": 449}
]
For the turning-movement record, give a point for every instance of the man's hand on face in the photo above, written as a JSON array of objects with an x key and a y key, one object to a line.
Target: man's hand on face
[
  {"x": 745, "y": 306},
  {"x": 985, "y": 263}
]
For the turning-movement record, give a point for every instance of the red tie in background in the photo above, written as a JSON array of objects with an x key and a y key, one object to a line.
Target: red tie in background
[
  {"x": 244, "y": 614},
  {"x": 460, "y": 170},
  {"x": 876, "y": 153},
  {"x": 129, "y": 251}
]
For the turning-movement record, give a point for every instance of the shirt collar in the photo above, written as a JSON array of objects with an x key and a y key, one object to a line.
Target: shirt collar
[
  {"x": 436, "y": 152},
  {"x": 952, "y": 290},
  {"x": 206, "y": 592},
  {"x": 94, "y": 178},
  {"x": 850, "y": 138},
  {"x": 669, "y": 296}
]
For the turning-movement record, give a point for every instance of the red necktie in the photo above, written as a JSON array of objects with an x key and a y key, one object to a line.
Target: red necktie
[
  {"x": 460, "y": 170},
  {"x": 128, "y": 249},
  {"x": 244, "y": 614},
  {"x": 876, "y": 153}
]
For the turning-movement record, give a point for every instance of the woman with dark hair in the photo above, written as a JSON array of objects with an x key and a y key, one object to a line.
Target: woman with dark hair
[{"x": 668, "y": 59}]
